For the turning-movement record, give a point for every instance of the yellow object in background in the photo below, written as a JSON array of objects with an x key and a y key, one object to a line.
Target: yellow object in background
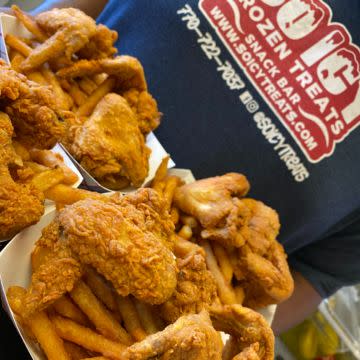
[{"x": 311, "y": 339}]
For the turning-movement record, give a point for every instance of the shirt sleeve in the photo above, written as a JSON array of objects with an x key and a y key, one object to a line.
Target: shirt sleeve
[{"x": 332, "y": 262}]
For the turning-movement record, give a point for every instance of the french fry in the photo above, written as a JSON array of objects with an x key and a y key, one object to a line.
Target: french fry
[
  {"x": 97, "y": 313},
  {"x": 190, "y": 221},
  {"x": 184, "y": 247},
  {"x": 40, "y": 326},
  {"x": 76, "y": 352},
  {"x": 16, "y": 61},
  {"x": 62, "y": 99},
  {"x": 226, "y": 293},
  {"x": 159, "y": 187},
  {"x": 29, "y": 23},
  {"x": 101, "y": 290},
  {"x": 87, "y": 85},
  {"x": 100, "y": 78},
  {"x": 21, "y": 150},
  {"x": 147, "y": 317},
  {"x": 51, "y": 159},
  {"x": 38, "y": 77},
  {"x": 240, "y": 294},
  {"x": 223, "y": 262},
  {"x": 161, "y": 171},
  {"x": 66, "y": 308},
  {"x": 88, "y": 106},
  {"x": 77, "y": 94},
  {"x": 131, "y": 318},
  {"x": 67, "y": 195},
  {"x": 17, "y": 44},
  {"x": 175, "y": 216},
  {"x": 48, "y": 178},
  {"x": 171, "y": 183},
  {"x": 185, "y": 232},
  {"x": 87, "y": 338}
]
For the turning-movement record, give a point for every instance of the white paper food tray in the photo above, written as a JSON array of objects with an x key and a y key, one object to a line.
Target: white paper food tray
[
  {"x": 18, "y": 252},
  {"x": 10, "y": 24}
]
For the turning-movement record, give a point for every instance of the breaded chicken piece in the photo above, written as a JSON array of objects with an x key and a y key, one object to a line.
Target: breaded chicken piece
[
  {"x": 127, "y": 69},
  {"x": 191, "y": 337},
  {"x": 195, "y": 290},
  {"x": 109, "y": 143},
  {"x": 100, "y": 45},
  {"x": 251, "y": 336},
  {"x": 31, "y": 108},
  {"x": 69, "y": 30},
  {"x": 20, "y": 205},
  {"x": 7, "y": 152},
  {"x": 214, "y": 202},
  {"x": 145, "y": 108},
  {"x": 115, "y": 241}
]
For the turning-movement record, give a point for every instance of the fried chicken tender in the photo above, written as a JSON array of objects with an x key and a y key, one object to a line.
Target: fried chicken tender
[
  {"x": 114, "y": 239},
  {"x": 195, "y": 290},
  {"x": 32, "y": 110},
  {"x": 20, "y": 205},
  {"x": 109, "y": 143},
  {"x": 214, "y": 202},
  {"x": 70, "y": 30},
  {"x": 191, "y": 337},
  {"x": 251, "y": 336},
  {"x": 100, "y": 45}
]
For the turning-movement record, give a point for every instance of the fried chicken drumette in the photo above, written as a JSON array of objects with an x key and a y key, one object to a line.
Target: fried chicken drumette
[{"x": 69, "y": 30}]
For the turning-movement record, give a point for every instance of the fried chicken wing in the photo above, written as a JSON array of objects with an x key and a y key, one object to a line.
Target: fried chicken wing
[
  {"x": 195, "y": 290},
  {"x": 109, "y": 143},
  {"x": 101, "y": 45},
  {"x": 214, "y": 202},
  {"x": 126, "y": 69},
  {"x": 69, "y": 30},
  {"x": 31, "y": 108},
  {"x": 251, "y": 336},
  {"x": 191, "y": 337},
  {"x": 117, "y": 240},
  {"x": 20, "y": 205},
  {"x": 246, "y": 226}
]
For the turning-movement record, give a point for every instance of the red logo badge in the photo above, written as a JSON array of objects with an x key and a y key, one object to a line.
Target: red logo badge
[{"x": 305, "y": 66}]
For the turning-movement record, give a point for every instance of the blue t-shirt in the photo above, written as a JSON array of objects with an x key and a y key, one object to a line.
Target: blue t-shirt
[{"x": 271, "y": 89}]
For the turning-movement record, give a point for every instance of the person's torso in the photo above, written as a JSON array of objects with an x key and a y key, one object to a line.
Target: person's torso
[{"x": 268, "y": 88}]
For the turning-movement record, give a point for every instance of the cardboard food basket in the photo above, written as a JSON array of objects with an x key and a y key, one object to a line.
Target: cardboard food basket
[
  {"x": 18, "y": 252},
  {"x": 11, "y": 25}
]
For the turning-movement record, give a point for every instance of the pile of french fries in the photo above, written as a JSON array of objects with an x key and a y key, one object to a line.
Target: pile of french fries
[
  {"x": 89, "y": 321},
  {"x": 42, "y": 168}
]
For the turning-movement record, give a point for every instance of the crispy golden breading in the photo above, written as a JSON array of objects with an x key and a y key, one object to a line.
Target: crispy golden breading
[
  {"x": 120, "y": 241},
  {"x": 252, "y": 334},
  {"x": 101, "y": 45},
  {"x": 109, "y": 142},
  {"x": 20, "y": 205},
  {"x": 69, "y": 30},
  {"x": 195, "y": 290},
  {"x": 191, "y": 337}
]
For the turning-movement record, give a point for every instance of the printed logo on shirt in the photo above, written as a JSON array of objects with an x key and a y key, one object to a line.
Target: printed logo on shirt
[{"x": 305, "y": 66}]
